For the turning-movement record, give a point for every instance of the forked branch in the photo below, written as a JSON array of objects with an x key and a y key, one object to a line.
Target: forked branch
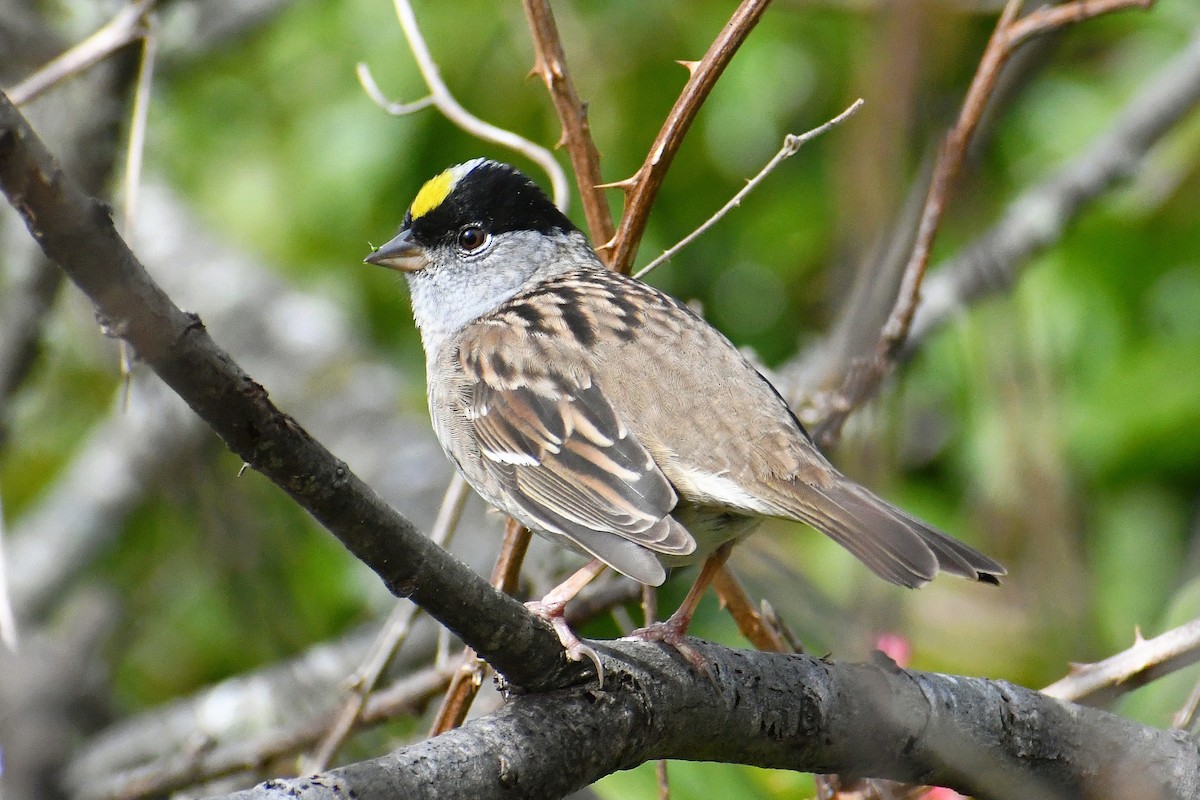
[
  {"x": 859, "y": 382},
  {"x": 642, "y": 188}
]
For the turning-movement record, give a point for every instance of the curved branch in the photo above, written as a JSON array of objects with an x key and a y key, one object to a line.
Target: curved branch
[
  {"x": 990, "y": 739},
  {"x": 77, "y": 232},
  {"x": 1011, "y": 31},
  {"x": 445, "y": 102}
]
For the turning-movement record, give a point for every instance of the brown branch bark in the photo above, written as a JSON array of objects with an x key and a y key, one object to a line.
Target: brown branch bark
[
  {"x": 642, "y": 188},
  {"x": 1038, "y": 218},
  {"x": 859, "y": 382},
  {"x": 551, "y": 67}
]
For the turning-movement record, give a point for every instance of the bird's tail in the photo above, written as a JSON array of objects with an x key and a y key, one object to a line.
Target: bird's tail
[{"x": 896, "y": 546}]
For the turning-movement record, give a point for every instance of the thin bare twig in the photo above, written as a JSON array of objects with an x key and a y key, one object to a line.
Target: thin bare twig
[
  {"x": 1145, "y": 661},
  {"x": 125, "y": 28},
  {"x": 1041, "y": 214},
  {"x": 1010, "y": 33},
  {"x": 390, "y": 637},
  {"x": 136, "y": 148},
  {"x": 1051, "y": 17},
  {"x": 441, "y": 98},
  {"x": 133, "y": 163},
  {"x": 642, "y": 187},
  {"x": 396, "y": 109},
  {"x": 765, "y": 632},
  {"x": 1185, "y": 718},
  {"x": 460, "y": 694},
  {"x": 132, "y": 22},
  {"x": 551, "y": 66},
  {"x": 664, "y": 781},
  {"x": 791, "y": 145}
]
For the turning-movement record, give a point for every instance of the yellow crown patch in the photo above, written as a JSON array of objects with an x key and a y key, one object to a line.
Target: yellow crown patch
[{"x": 433, "y": 192}]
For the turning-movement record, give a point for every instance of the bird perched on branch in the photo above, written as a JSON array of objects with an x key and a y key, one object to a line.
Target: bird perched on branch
[{"x": 606, "y": 415}]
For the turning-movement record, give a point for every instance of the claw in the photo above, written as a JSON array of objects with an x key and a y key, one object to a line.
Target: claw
[
  {"x": 576, "y": 649},
  {"x": 673, "y": 632}
]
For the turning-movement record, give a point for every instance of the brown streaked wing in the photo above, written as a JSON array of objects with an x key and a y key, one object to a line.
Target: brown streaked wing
[{"x": 564, "y": 457}]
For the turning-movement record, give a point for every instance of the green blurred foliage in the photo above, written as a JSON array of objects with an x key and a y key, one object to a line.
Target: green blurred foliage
[{"x": 1056, "y": 427}]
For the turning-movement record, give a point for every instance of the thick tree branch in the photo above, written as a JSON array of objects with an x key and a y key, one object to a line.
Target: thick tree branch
[
  {"x": 155, "y": 752},
  {"x": 986, "y": 738},
  {"x": 77, "y": 232},
  {"x": 87, "y": 137},
  {"x": 84, "y": 510},
  {"x": 193, "y": 765}
]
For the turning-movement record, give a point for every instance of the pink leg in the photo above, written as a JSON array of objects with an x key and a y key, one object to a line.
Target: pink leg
[
  {"x": 674, "y": 630},
  {"x": 551, "y": 607}
]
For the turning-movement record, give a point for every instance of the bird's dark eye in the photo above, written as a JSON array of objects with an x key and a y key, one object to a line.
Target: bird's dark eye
[{"x": 471, "y": 238}]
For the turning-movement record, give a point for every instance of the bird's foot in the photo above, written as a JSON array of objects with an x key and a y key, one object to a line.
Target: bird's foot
[
  {"x": 674, "y": 633},
  {"x": 552, "y": 612}
]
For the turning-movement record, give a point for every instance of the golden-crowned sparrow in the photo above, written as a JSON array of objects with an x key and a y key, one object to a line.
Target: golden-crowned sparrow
[{"x": 606, "y": 415}]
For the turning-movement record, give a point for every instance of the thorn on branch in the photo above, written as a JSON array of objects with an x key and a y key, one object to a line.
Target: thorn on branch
[
  {"x": 576, "y": 136},
  {"x": 626, "y": 186}
]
